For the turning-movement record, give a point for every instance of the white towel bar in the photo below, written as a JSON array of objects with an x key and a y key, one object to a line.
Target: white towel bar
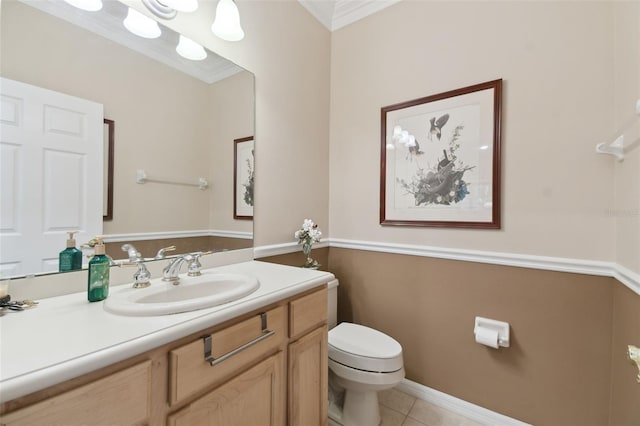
[{"x": 142, "y": 178}]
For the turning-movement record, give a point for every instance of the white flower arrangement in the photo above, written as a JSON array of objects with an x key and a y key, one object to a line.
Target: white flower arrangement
[{"x": 307, "y": 236}]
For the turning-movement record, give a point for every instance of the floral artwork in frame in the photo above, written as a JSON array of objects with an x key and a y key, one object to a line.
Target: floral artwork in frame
[
  {"x": 440, "y": 159},
  {"x": 243, "y": 178}
]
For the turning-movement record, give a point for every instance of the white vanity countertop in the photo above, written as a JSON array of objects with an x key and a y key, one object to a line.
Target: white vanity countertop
[{"x": 66, "y": 336}]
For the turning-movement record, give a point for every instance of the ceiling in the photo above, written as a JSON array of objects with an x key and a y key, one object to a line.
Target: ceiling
[{"x": 335, "y": 14}]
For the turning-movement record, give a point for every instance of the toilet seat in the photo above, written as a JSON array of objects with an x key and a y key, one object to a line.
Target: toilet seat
[{"x": 364, "y": 348}]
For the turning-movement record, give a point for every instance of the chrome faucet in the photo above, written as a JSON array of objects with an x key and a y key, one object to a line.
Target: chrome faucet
[
  {"x": 134, "y": 254},
  {"x": 194, "y": 266},
  {"x": 162, "y": 251},
  {"x": 142, "y": 277},
  {"x": 172, "y": 270}
]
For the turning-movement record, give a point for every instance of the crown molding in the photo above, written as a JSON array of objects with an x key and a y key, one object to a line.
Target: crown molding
[
  {"x": 348, "y": 12},
  {"x": 336, "y": 14}
]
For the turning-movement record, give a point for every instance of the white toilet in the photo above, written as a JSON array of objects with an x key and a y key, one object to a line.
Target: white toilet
[{"x": 362, "y": 362}]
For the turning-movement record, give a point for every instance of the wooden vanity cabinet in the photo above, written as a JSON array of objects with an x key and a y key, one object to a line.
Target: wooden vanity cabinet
[
  {"x": 277, "y": 379},
  {"x": 129, "y": 390},
  {"x": 254, "y": 397},
  {"x": 308, "y": 369}
]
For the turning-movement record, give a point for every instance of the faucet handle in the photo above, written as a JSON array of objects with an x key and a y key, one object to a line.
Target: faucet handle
[
  {"x": 194, "y": 265},
  {"x": 162, "y": 251},
  {"x": 142, "y": 276},
  {"x": 134, "y": 254}
]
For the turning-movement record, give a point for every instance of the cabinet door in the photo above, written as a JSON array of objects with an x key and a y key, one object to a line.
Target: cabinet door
[
  {"x": 308, "y": 376},
  {"x": 255, "y": 397},
  {"x": 123, "y": 398}
]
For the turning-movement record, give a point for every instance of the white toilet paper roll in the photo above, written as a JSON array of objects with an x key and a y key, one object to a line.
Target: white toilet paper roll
[{"x": 487, "y": 336}]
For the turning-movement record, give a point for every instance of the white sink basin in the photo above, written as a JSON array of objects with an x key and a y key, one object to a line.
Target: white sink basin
[{"x": 192, "y": 293}]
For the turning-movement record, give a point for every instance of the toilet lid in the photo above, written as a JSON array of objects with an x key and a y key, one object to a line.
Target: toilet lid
[{"x": 364, "y": 348}]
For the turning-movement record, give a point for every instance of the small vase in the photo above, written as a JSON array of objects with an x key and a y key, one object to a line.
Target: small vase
[{"x": 310, "y": 263}]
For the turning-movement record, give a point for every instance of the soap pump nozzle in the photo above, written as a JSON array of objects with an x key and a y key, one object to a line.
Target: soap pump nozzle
[
  {"x": 99, "y": 247},
  {"x": 71, "y": 242}
]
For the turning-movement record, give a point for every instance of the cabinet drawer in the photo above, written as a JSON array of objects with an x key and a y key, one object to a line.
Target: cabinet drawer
[
  {"x": 94, "y": 403},
  {"x": 255, "y": 397},
  {"x": 191, "y": 372},
  {"x": 307, "y": 312}
]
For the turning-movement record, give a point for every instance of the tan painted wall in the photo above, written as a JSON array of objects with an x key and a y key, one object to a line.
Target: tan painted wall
[
  {"x": 556, "y": 62},
  {"x": 625, "y": 390},
  {"x": 556, "y": 371},
  {"x": 566, "y": 365},
  {"x": 626, "y": 209}
]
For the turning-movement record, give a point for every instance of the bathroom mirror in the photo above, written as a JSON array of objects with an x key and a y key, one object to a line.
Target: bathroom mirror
[{"x": 176, "y": 121}]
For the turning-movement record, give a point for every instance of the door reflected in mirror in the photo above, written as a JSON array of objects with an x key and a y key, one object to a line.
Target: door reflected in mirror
[{"x": 173, "y": 122}]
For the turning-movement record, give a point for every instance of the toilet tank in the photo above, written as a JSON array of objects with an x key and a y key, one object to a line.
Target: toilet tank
[{"x": 332, "y": 302}]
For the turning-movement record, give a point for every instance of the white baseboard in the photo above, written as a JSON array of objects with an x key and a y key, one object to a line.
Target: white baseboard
[{"x": 456, "y": 405}]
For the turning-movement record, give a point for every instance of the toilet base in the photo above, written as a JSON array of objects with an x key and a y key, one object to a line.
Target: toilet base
[{"x": 359, "y": 409}]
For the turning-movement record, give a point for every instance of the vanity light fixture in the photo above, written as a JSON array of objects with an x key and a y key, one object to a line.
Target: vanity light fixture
[
  {"x": 189, "y": 49},
  {"x": 88, "y": 5},
  {"x": 227, "y": 22},
  {"x": 141, "y": 25}
]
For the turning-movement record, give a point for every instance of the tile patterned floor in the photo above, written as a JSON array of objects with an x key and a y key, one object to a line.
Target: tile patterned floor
[{"x": 399, "y": 409}]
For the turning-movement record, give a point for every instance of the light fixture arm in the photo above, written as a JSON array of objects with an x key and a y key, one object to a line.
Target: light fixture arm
[{"x": 159, "y": 9}]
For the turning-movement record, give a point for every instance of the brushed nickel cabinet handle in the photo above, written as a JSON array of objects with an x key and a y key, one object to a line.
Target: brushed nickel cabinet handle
[{"x": 208, "y": 344}]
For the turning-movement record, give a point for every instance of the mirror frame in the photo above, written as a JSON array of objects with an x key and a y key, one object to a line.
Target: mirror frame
[{"x": 109, "y": 141}]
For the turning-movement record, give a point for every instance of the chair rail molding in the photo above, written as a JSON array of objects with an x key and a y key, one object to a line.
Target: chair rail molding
[{"x": 626, "y": 276}]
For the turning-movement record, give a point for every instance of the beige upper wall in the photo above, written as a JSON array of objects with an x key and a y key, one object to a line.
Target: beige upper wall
[
  {"x": 556, "y": 62},
  {"x": 626, "y": 209},
  {"x": 231, "y": 118},
  {"x": 288, "y": 51}
]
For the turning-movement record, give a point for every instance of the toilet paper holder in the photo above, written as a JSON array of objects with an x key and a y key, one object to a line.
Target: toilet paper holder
[{"x": 501, "y": 327}]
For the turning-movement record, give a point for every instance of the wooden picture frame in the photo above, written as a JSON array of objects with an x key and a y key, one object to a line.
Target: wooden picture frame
[
  {"x": 109, "y": 140},
  {"x": 243, "y": 178},
  {"x": 440, "y": 159}
]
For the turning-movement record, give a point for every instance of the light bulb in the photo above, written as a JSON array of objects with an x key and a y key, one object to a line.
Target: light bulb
[
  {"x": 189, "y": 49},
  {"x": 88, "y": 5},
  {"x": 227, "y": 22},
  {"x": 141, "y": 25}
]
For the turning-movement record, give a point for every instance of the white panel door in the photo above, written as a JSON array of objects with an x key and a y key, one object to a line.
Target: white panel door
[{"x": 51, "y": 159}]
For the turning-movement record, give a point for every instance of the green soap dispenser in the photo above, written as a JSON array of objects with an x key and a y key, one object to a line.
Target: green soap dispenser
[
  {"x": 98, "y": 284},
  {"x": 70, "y": 259}
]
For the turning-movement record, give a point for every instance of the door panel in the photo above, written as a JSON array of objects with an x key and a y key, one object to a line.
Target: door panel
[{"x": 51, "y": 148}]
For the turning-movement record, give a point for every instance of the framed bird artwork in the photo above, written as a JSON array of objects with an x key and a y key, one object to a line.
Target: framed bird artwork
[
  {"x": 243, "y": 178},
  {"x": 440, "y": 159}
]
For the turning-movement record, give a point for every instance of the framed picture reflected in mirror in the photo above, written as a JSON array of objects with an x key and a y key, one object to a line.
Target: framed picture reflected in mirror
[
  {"x": 107, "y": 198},
  {"x": 243, "y": 178}
]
